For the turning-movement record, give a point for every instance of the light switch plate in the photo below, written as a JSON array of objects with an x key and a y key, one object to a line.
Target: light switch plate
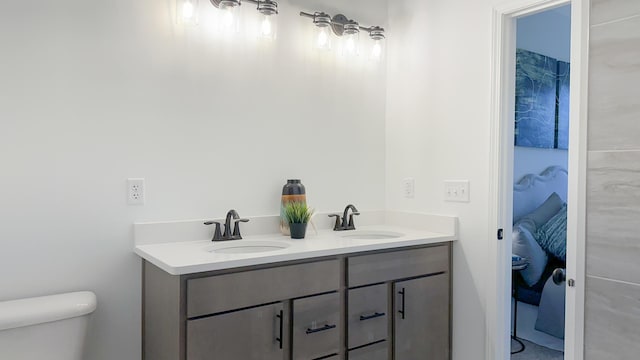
[{"x": 457, "y": 191}]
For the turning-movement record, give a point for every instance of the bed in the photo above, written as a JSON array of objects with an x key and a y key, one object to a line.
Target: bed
[{"x": 539, "y": 199}]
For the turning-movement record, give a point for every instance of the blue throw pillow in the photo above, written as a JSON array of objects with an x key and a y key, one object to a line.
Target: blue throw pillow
[
  {"x": 525, "y": 246},
  {"x": 552, "y": 236}
]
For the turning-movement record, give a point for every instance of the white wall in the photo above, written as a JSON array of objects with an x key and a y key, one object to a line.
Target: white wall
[
  {"x": 547, "y": 33},
  {"x": 93, "y": 92},
  {"x": 438, "y": 129},
  {"x": 535, "y": 160}
]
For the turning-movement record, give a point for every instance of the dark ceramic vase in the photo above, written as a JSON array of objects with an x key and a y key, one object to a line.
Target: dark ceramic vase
[{"x": 298, "y": 231}]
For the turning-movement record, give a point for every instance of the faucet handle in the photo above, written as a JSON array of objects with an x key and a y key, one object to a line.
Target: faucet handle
[
  {"x": 336, "y": 227},
  {"x": 217, "y": 234},
  {"x": 236, "y": 228}
]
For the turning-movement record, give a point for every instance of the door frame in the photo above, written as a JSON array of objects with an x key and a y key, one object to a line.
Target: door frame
[{"x": 498, "y": 305}]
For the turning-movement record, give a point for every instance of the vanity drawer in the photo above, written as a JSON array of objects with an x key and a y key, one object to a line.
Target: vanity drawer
[
  {"x": 377, "y": 268},
  {"x": 221, "y": 293},
  {"x": 368, "y": 320},
  {"x": 316, "y": 326},
  {"x": 379, "y": 351}
]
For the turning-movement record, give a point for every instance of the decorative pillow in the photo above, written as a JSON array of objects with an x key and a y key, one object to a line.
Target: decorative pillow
[
  {"x": 526, "y": 246},
  {"x": 552, "y": 236},
  {"x": 544, "y": 212}
]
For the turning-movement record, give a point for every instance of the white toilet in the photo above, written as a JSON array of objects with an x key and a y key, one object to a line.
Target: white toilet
[{"x": 45, "y": 328}]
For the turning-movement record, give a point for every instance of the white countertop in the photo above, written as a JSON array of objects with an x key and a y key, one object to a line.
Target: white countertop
[{"x": 187, "y": 257}]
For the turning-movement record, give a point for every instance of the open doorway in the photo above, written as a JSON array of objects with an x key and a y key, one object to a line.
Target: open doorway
[
  {"x": 540, "y": 189},
  {"x": 500, "y": 298}
]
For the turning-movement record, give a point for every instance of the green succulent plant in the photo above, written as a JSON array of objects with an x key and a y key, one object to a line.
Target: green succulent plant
[{"x": 297, "y": 212}]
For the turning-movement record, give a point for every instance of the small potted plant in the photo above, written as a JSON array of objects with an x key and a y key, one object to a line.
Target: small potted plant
[{"x": 298, "y": 215}]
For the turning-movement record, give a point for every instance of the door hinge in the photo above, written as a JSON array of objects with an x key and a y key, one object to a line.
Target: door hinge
[
  {"x": 571, "y": 283},
  {"x": 500, "y": 234}
]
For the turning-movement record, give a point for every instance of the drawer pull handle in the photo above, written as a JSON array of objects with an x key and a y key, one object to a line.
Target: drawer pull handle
[
  {"x": 372, "y": 316},
  {"x": 402, "y": 292},
  {"x": 324, "y": 328},
  {"x": 281, "y": 319}
]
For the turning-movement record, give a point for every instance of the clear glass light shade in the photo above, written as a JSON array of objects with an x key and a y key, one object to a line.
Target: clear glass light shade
[
  {"x": 350, "y": 45},
  {"x": 268, "y": 26},
  {"x": 322, "y": 38},
  {"x": 377, "y": 50},
  {"x": 228, "y": 18},
  {"x": 187, "y": 11}
]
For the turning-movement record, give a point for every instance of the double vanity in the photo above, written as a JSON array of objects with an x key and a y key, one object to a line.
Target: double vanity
[{"x": 379, "y": 292}]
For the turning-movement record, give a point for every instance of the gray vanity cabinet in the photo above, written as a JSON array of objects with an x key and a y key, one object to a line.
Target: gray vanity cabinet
[
  {"x": 379, "y": 305},
  {"x": 421, "y": 318},
  {"x": 255, "y": 333}
]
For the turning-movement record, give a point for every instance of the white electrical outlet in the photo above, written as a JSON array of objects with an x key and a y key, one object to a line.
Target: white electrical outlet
[
  {"x": 135, "y": 191},
  {"x": 409, "y": 188},
  {"x": 457, "y": 191}
]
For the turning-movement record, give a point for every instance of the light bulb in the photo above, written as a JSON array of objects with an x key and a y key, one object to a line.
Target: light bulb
[
  {"x": 228, "y": 19},
  {"x": 268, "y": 27},
  {"x": 265, "y": 27},
  {"x": 323, "y": 39},
  {"x": 351, "y": 44},
  {"x": 187, "y": 10},
  {"x": 376, "y": 50}
]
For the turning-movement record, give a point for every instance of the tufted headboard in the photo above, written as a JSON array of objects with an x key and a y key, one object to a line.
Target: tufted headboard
[{"x": 532, "y": 190}]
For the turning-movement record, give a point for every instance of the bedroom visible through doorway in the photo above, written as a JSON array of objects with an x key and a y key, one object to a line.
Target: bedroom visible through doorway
[{"x": 540, "y": 187}]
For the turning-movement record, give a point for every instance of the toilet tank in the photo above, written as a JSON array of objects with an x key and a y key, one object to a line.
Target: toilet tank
[{"x": 49, "y": 327}]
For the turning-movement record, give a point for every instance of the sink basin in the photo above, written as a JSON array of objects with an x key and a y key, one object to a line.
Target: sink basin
[
  {"x": 247, "y": 247},
  {"x": 372, "y": 235}
]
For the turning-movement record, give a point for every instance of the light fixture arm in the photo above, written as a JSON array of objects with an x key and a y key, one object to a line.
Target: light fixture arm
[
  {"x": 340, "y": 22},
  {"x": 307, "y": 15}
]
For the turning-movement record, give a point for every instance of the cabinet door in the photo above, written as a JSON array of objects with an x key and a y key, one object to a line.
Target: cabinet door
[
  {"x": 421, "y": 318},
  {"x": 253, "y": 334}
]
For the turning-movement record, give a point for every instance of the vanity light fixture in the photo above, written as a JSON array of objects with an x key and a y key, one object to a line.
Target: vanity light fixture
[
  {"x": 376, "y": 33},
  {"x": 351, "y": 35},
  {"x": 229, "y": 9},
  {"x": 266, "y": 8},
  {"x": 268, "y": 24},
  {"x": 322, "y": 33},
  {"x": 346, "y": 28}
]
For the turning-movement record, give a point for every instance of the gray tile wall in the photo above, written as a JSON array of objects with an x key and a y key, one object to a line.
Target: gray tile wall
[{"x": 612, "y": 318}]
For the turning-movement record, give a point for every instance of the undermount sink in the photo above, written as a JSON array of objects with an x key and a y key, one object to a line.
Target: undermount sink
[
  {"x": 247, "y": 247},
  {"x": 372, "y": 235}
]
